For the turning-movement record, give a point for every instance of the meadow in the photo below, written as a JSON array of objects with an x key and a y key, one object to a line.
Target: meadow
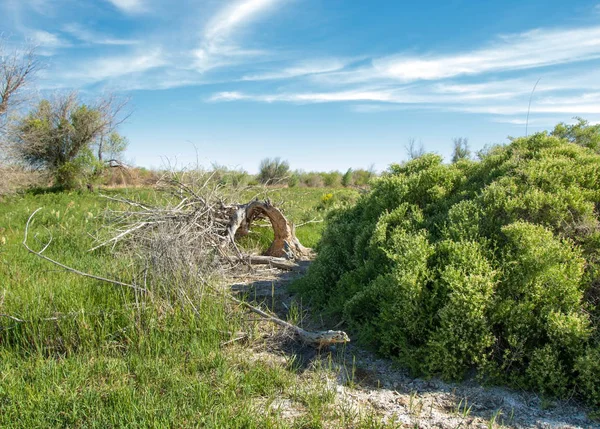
[{"x": 76, "y": 352}]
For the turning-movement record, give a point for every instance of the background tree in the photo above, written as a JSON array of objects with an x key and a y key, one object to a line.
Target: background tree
[
  {"x": 109, "y": 148},
  {"x": 581, "y": 133},
  {"x": 17, "y": 70},
  {"x": 347, "y": 178},
  {"x": 273, "y": 170},
  {"x": 461, "y": 149},
  {"x": 413, "y": 149},
  {"x": 60, "y": 135}
]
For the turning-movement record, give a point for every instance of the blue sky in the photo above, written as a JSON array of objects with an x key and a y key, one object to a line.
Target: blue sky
[{"x": 325, "y": 84}]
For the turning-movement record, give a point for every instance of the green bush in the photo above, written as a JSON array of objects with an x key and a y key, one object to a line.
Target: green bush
[
  {"x": 490, "y": 265},
  {"x": 273, "y": 171},
  {"x": 332, "y": 179},
  {"x": 347, "y": 178}
]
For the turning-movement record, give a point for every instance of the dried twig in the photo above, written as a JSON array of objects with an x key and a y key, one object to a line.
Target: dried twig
[
  {"x": 281, "y": 263},
  {"x": 73, "y": 270}
]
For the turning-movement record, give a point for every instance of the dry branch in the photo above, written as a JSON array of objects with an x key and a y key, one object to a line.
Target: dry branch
[
  {"x": 198, "y": 215},
  {"x": 281, "y": 263},
  {"x": 285, "y": 244},
  {"x": 317, "y": 339},
  {"x": 67, "y": 268}
]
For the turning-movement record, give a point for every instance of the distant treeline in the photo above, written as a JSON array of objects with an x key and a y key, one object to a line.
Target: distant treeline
[{"x": 282, "y": 176}]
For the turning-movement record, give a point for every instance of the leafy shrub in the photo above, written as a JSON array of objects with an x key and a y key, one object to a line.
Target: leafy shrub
[
  {"x": 312, "y": 180},
  {"x": 273, "y": 170},
  {"x": 347, "y": 178},
  {"x": 491, "y": 265},
  {"x": 293, "y": 180},
  {"x": 588, "y": 370},
  {"x": 362, "y": 177},
  {"x": 581, "y": 133},
  {"x": 332, "y": 179}
]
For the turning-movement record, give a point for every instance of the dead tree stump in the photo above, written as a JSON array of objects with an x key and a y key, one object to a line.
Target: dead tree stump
[{"x": 285, "y": 244}]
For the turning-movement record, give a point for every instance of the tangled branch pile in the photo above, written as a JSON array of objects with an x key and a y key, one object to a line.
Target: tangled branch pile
[
  {"x": 187, "y": 242},
  {"x": 197, "y": 226}
]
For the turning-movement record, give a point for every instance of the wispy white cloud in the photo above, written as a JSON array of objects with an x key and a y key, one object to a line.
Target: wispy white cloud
[
  {"x": 308, "y": 97},
  {"x": 89, "y": 36},
  {"x": 47, "y": 43},
  {"x": 107, "y": 68},
  {"x": 47, "y": 40},
  {"x": 493, "y": 98},
  {"x": 225, "y": 49},
  {"x": 532, "y": 49},
  {"x": 233, "y": 17},
  {"x": 218, "y": 46},
  {"x": 129, "y": 6},
  {"x": 467, "y": 81},
  {"x": 42, "y": 7},
  {"x": 161, "y": 66},
  {"x": 301, "y": 69}
]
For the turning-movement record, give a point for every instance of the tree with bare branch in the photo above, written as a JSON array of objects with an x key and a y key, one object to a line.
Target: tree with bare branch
[
  {"x": 17, "y": 70},
  {"x": 18, "y": 67},
  {"x": 413, "y": 149},
  {"x": 69, "y": 138}
]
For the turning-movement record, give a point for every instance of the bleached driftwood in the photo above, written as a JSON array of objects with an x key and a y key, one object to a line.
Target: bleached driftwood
[{"x": 200, "y": 217}]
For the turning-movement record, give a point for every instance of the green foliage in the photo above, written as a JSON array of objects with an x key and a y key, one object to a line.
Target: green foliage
[
  {"x": 235, "y": 178},
  {"x": 59, "y": 136},
  {"x": 332, "y": 179},
  {"x": 588, "y": 375},
  {"x": 112, "y": 146},
  {"x": 581, "y": 133},
  {"x": 273, "y": 171},
  {"x": 294, "y": 180},
  {"x": 347, "y": 178},
  {"x": 362, "y": 177},
  {"x": 488, "y": 265},
  {"x": 461, "y": 149}
]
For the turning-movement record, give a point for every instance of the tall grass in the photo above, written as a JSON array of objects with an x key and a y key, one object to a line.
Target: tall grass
[{"x": 88, "y": 354}]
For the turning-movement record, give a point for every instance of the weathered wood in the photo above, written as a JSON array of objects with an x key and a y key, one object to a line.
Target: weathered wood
[
  {"x": 285, "y": 243},
  {"x": 316, "y": 339},
  {"x": 281, "y": 263}
]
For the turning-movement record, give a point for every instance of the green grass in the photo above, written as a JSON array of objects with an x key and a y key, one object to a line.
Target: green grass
[{"x": 110, "y": 358}]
